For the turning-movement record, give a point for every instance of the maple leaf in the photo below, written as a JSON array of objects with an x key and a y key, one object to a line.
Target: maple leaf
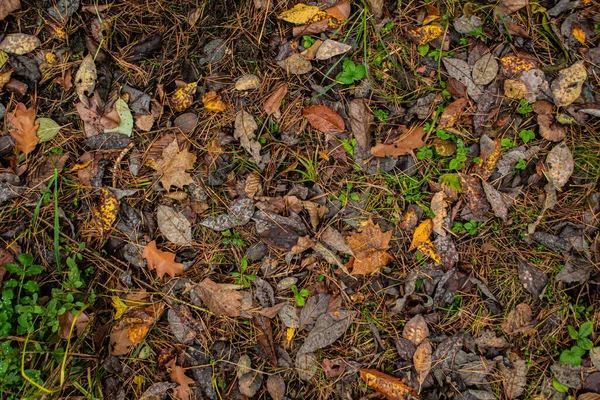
[
  {"x": 370, "y": 249},
  {"x": 171, "y": 167},
  {"x": 183, "y": 391},
  {"x": 219, "y": 301},
  {"x": 404, "y": 145},
  {"x": 161, "y": 261},
  {"x": 25, "y": 129}
]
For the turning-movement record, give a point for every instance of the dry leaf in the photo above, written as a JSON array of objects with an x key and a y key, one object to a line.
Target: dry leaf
[
  {"x": 330, "y": 48},
  {"x": 65, "y": 322},
  {"x": 296, "y": 64},
  {"x": 567, "y": 87},
  {"x": 171, "y": 167},
  {"x": 253, "y": 185},
  {"x": 425, "y": 34},
  {"x": 25, "y": 129},
  {"x": 247, "y": 82},
  {"x": 19, "y": 43},
  {"x": 512, "y": 65},
  {"x": 485, "y": 69},
  {"x": 212, "y": 102},
  {"x": 416, "y": 330},
  {"x": 490, "y": 151},
  {"x": 161, "y": 261},
  {"x": 183, "y": 97},
  {"x": 273, "y": 103},
  {"x": 514, "y": 378},
  {"x": 96, "y": 115},
  {"x": 245, "y": 129},
  {"x": 133, "y": 327},
  {"x": 183, "y": 391},
  {"x": 219, "y": 301},
  {"x": 302, "y": 14},
  {"x": 514, "y": 89},
  {"x": 473, "y": 191},
  {"x": 423, "y": 361},
  {"x": 422, "y": 242},
  {"x": 370, "y": 249},
  {"x": 578, "y": 34},
  {"x": 462, "y": 72},
  {"x": 376, "y": 7},
  {"x": 438, "y": 208},
  {"x": 391, "y": 388},
  {"x": 324, "y": 119},
  {"x": 338, "y": 13},
  {"x": 499, "y": 201},
  {"x": 105, "y": 214},
  {"x": 173, "y": 225},
  {"x": 452, "y": 112},
  {"x": 85, "y": 79},
  {"x": 560, "y": 165},
  {"x": 510, "y": 6},
  {"x": 361, "y": 119},
  {"x": 276, "y": 387},
  {"x": 404, "y": 145},
  {"x": 550, "y": 129},
  {"x": 8, "y": 6},
  {"x": 518, "y": 320}
]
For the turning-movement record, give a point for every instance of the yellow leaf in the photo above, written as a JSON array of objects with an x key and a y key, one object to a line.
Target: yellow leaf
[
  {"x": 289, "y": 334},
  {"x": 422, "y": 243},
  {"x": 579, "y": 34},
  {"x": 427, "y": 33},
  {"x": 183, "y": 97},
  {"x": 212, "y": 102},
  {"x": 106, "y": 212},
  {"x": 119, "y": 305},
  {"x": 302, "y": 14},
  {"x": 513, "y": 65}
]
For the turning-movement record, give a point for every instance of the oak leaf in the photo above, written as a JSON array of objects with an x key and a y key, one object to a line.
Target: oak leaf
[
  {"x": 183, "y": 391},
  {"x": 324, "y": 119},
  {"x": 391, "y": 388},
  {"x": 25, "y": 129},
  {"x": 171, "y": 167},
  {"x": 370, "y": 249},
  {"x": 404, "y": 145},
  {"x": 219, "y": 301},
  {"x": 422, "y": 242},
  {"x": 161, "y": 261},
  {"x": 273, "y": 103}
]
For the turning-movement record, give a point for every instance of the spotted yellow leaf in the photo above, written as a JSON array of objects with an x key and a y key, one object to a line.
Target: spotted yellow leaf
[
  {"x": 427, "y": 33},
  {"x": 513, "y": 65},
  {"x": 212, "y": 102},
  {"x": 579, "y": 34},
  {"x": 105, "y": 213},
  {"x": 183, "y": 97},
  {"x": 422, "y": 242},
  {"x": 302, "y": 14},
  {"x": 119, "y": 305}
]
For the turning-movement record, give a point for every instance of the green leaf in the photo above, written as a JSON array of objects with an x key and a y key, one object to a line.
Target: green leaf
[
  {"x": 578, "y": 351},
  {"x": 304, "y": 292},
  {"x": 573, "y": 333},
  {"x": 559, "y": 386},
  {"x": 423, "y": 49},
  {"x": 586, "y": 329},
  {"x": 3, "y": 58},
  {"x": 126, "y": 119},
  {"x": 14, "y": 269},
  {"x": 567, "y": 356},
  {"x": 450, "y": 180},
  {"x": 47, "y": 129},
  {"x": 25, "y": 259},
  {"x": 585, "y": 343},
  {"x": 300, "y": 301},
  {"x": 359, "y": 72}
]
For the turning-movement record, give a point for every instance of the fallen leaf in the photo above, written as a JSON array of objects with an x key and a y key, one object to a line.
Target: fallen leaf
[
  {"x": 425, "y": 34},
  {"x": 219, "y": 301},
  {"x": 579, "y": 34},
  {"x": 423, "y": 361},
  {"x": 370, "y": 249},
  {"x": 276, "y": 387},
  {"x": 161, "y": 261},
  {"x": 183, "y": 391},
  {"x": 19, "y": 43},
  {"x": 532, "y": 278},
  {"x": 416, "y": 330},
  {"x": 452, "y": 112},
  {"x": 173, "y": 225},
  {"x": 25, "y": 129},
  {"x": 512, "y": 65},
  {"x": 422, "y": 242},
  {"x": 250, "y": 383},
  {"x": 63, "y": 9},
  {"x": 361, "y": 120},
  {"x": 485, "y": 69},
  {"x": 314, "y": 28},
  {"x": 247, "y": 82},
  {"x": 132, "y": 329},
  {"x": 560, "y": 165},
  {"x": 338, "y": 13},
  {"x": 331, "y": 48},
  {"x": 302, "y": 14},
  {"x": 68, "y": 326},
  {"x": 4, "y": 77},
  {"x": 334, "y": 239},
  {"x": 125, "y": 126},
  {"x": 47, "y": 129},
  {"x": 105, "y": 214},
  {"x": 567, "y": 87},
  {"x": 186, "y": 122},
  {"x": 514, "y": 379},
  {"x": 212, "y": 102},
  {"x": 391, "y": 388},
  {"x": 85, "y": 79},
  {"x": 245, "y": 129},
  {"x": 296, "y": 64},
  {"x": 157, "y": 391},
  {"x": 273, "y": 102},
  {"x": 183, "y": 97},
  {"x": 376, "y": 7},
  {"x": 514, "y": 89},
  {"x": 171, "y": 167},
  {"x": 438, "y": 208},
  {"x": 499, "y": 201},
  {"x": 239, "y": 213},
  {"x": 324, "y": 119},
  {"x": 306, "y": 366},
  {"x": 7, "y": 7},
  {"x": 518, "y": 320},
  {"x": 507, "y": 7},
  {"x": 404, "y": 145},
  {"x": 462, "y": 72},
  {"x": 474, "y": 194},
  {"x": 96, "y": 115},
  {"x": 329, "y": 327},
  {"x": 550, "y": 129}
]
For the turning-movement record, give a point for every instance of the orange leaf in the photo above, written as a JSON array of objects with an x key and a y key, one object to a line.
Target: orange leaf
[
  {"x": 391, "y": 388},
  {"x": 273, "y": 103},
  {"x": 133, "y": 327},
  {"x": 404, "y": 145},
  {"x": 25, "y": 131},
  {"x": 370, "y": 249},
  {"x": 161, "y": 261},
  {"x": 452, "y": 112},
  {"x": 183, "y": 391},
  {"x": 219, "y": 301},
  {"x": 324, "y": 119},
  {"x": 422, "y": 242},
  {"x": 213, "y": 102},
  {"x": 338, "y": 13}
]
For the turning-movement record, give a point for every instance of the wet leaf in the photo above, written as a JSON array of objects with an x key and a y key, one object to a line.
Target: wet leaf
[
  {"x": 125, "y": 126},
  {"x": 485, "y": 69},
  {"x": 25, "y": 129},
  {"x": 474, "y": 194},
  {"x": 276, "y": 387},
  {"x": 370, "y": 249},
  {"x": 19, "y": 43},
  {"x": 132, "y": 329},
  {"x": 338, "y": 13},
  {"x": 514, "y": 378},
  {"x": 96, "y": 115},
  {"x": 511, "y": 6},
  {"x": 422, "y": 242},
  {"x": 416, "y": 330},
  {"x": 514, "y": 89},
  {"x": 532, "y": 278},
  {"x": 183, "y": 391},
  {"x": 296, "y": 64},
  {"x": 186, "y": 122},
  {"x": 438, "y": 208},
  {"x": 324, "y": 119},
  {"x": 328, "y": 328},
  {"x": 567, "y": 87},
  {"x": 273, "y": 102},
  {"x": 250, "y": 383},
  {"x": 239, "y": 213},
  {"x": 518, "y": 320},
  {"x": 85, "y": 79},
  {"x": 7, "y": 7},
  {"x": 391, "y": 388},
  {"x": 499, "y": 201},
  {"x": 173, "y": 225},
  {"x": 47, "y": 129},
  {"x": 157, "y": 391},
  {"x": 462, "y": 72},
  {"x": 422, "y": 361},
  {"x": 361, "y": 120},
  {"x": 550, "y": 129},
  {"x": 560, "y": 165},
  {"x": 212, "y": 102},
  {"x": 161, "y": 261},
  {"x": 334, "y": 239},
  {"x": 247, "y": 82},
  {"x": 306, "y": 366},
  {"x": 578, "y": 34},
  {"x": 245, "y": 131},
  {"x": 452, "y": 112},
  {"x": 426, "y": 34},
  {"x": 105, "y": 214},
  {"x": 171, "y": 167},
  {"x": 512, "y": 65},
  {"x": 404, "y": 145},
  {"x": 330, "y": 48},
  {"x": 289, "y": 316},
  {"x": 219, "y": 301},
  {"x": 68, "y": 326},
  {"x": 63, "y": 10},
  {"x": 183, "y": 97},
  {"x": 302, "y": 14}
]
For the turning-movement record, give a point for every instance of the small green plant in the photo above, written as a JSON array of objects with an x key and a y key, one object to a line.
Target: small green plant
[
  {"x": 521, "y": 164},
  {"x": 348, "y": 145},
  {"x": 524, "y": 107},
  {"x": 243, "y": 279},
  {"x": 424, "y": 153},
  {"x": 348, "y": 195},
  {"x": 381, "y": 115},
  {"x": 300, "y": 295},
  {"x": 507, "y": 144},
  {"x": 423, "y": 49},
  {"x": 387, "y": 27},
  {"x": 559, "y": 386},
  {"x": 463, "y": 41},
  {"x": 232, "y": 238},
  {"x": 307, "y": 41},
  {"x": 526, "y": 135},
  {"x": 458, "y": 162},
  {"x": 351, "y": 73},
  {"x": 574, "y": 355},
  {"x": 470, "y": 227}
]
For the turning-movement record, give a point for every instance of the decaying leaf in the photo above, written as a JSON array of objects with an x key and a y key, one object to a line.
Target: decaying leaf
[
  {"x": 514, "y": 89},
  {"x": 247, "y": 82},
  {"x": 107, "y": 210},
  {"x": 578, "y": 34},
  {"x": 416, "y": 330},
  {"x": 370, "y": 249},
  {"x": 329, "y": 327},
  {"x": 331, "y": 48},
  {"x": 273, "y": 103},
  {"x": 183, "y": 97},
  {"x": 391, "y": 388},
  {"x": 499, "y": 201},
  {"x": 173, "y": 225},
  {"x": 296, "y": 64},
  {"x": 324, "y": 119},
  {"x": 161, "y": 261},
  {"x": 567, "y": 87},
  {"x": 19, "y": 43},
  {"x": 68, "y": 326},
  {"x": 7, "y": 7},
  {"x": 514, "y": 378},
  {"x": 423, "y": 361},
  {"x": 462, "y": 72},
  {"x": 125, "y": 126},
  {"x": 96, "y": 115},
  {"x": 404, "y": 145},
  {"x": 133, "y": 327},
  {"x": 361, "y": 119},
  {"x": 422, "y": 242},
  {"x": 25, "y": 129},
  {"x": 426, "y": 34},
  {"x": 550, "y": 129},
  {"x": 438, "y": 208},
  {"x": 183, "y": 391},
  {"x": 171, "y": 167},
  {"x": 302, "y": 14},
  {"x": 560, "y": 165},
  {"x": 512, "y": 65},
  {"x": 485, "y": 69},
  {"x": 219, "y": 301},
  {"x": 47, "y": 129},
  {"x": 85, "y": 79},
  {"x": 212, "y": 102},
  {"x": 452, "y": 112},
  {"x": 276, "y": 387},
  {"x": 474, "y": 194},
  {"x": 338, "y": 13},
  {"x": 518, "y": 320},
  {"x": 245, "y": 129}
]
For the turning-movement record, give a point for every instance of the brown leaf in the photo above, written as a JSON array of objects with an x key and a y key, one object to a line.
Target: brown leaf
[
  {"x": 510, "y": 6},
  {"x": 161, "y": 261},
  {"x": 133, "y": 327},
  {"x": 324, "y": 119},
  {"x": 313, "y": 28},
  {"x": 422, "y": 360},
  {"x": 171, "y": 167},
  {"x": 518, "y": 320},
  {"x": 25, "y": 129},
  {"x": 560, "y": 165},
  {"x": 273, "y": 103},
  {"x": 19, "y": 43},
  {"x": 219, "y": 301},
  {"x": 370, "y": 249},
  {"x": 361, "y": 119},
  {"x": 245, "y": 131},
  {"x": 489, "y": 154},
  {"x": 183, "y": 391},
  {"x": 85, "y": 78},
  {"x": 438, "y": 208},
  {"x": 96, "y": 115},
  {"x": 276, "y": 387},
  {"x": 338, "y": 13},
  {"x": 157, "y": 148},
  {"x": 550, "y": 129},
  {"x": 416, "y": 330},
  {"x": 391, "y": 388},
  {"x": 404, "y": 145},
  {"x": 499, "y": 201},
  {"x": 296, "y": 64},
  {"x": 475, "y": 196},
  {"x": 8, "y": 6},
  {"x": 186, "y": 122},
  {"x": 65, "y": 322},
  {"x": 183, "y": 97},
  {"x": 452, "y": 112}
]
